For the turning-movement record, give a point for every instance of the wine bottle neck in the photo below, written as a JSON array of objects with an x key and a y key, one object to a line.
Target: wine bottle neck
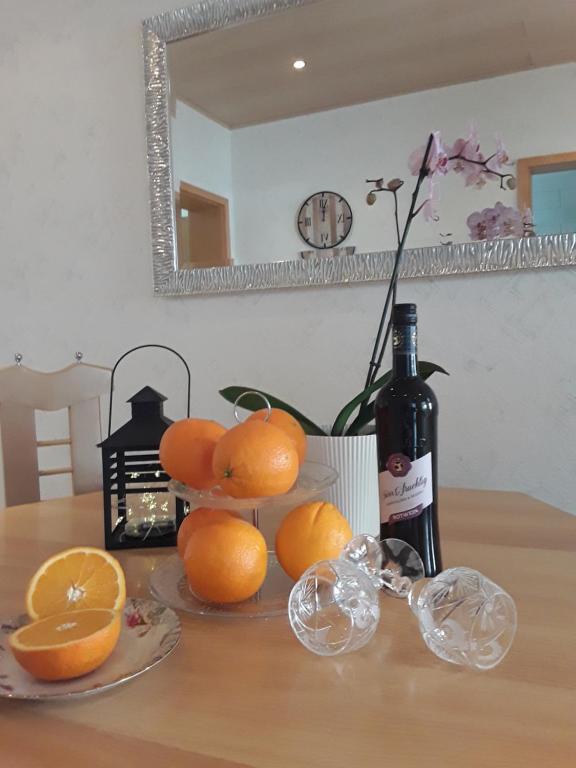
[{"x": 405, "y": 351}]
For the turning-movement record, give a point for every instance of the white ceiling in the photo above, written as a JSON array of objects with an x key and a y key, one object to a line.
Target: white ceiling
[{"x": 362, "y": 50}]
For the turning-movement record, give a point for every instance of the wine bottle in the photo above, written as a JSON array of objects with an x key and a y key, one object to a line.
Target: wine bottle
[{"x": 406, "y": 413}]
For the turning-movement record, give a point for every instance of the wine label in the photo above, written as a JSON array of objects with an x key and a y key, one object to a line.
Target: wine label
[{"x": 405, "y": 487}]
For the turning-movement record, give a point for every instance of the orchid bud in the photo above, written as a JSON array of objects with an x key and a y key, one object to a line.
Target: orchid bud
[
  {"x": 371, "y": 198},
  {"x": 394, "y": 184},
  {"x": 379, "y": 183},
  {"x": 511, "y": 182}
]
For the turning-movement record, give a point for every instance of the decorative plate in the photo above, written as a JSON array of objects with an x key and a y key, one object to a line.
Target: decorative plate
[
  {"x": 312, "y": 480},
  {"x": 150, "y": 631},
  {"x": 168, "y": 584}
]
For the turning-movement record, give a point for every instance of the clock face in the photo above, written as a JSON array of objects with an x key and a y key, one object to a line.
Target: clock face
[{"x": 324, "y": 220}]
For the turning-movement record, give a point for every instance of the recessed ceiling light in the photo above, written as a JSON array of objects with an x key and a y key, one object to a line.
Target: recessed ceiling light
[{"x": 299, "y": 64}]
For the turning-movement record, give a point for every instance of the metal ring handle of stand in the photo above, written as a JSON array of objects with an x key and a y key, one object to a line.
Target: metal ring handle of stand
[
  {"x": 135, "y": 349},
  {"x": 258, "y": 394}
]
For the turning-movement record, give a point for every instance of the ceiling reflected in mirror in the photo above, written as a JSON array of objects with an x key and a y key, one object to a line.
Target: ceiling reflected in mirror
[{"x": 363, "y": 50}]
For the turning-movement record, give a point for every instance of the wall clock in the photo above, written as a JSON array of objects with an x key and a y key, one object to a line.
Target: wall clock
[{"x": 324, "y": 220}]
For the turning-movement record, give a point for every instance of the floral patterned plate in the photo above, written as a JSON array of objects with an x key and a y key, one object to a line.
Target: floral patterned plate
[{"x": 150, "y": 631}]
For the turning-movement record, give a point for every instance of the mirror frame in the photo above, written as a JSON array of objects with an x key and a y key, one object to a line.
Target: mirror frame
[{"x": 169, "y": 280}]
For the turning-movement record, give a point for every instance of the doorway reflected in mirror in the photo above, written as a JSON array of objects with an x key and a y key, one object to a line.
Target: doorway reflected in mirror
[{"x": 202, "y": 228}]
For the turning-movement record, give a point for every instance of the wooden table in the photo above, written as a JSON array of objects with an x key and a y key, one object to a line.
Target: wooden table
[{"x": 240, "y": 692}]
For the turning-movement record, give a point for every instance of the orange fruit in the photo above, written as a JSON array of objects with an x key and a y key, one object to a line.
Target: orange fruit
[
  {"x": 226, "y": 562},
  {"x": 67, "y": 645},
  {"x": 186, "y": 451},
  {"x": 312, "y": 532},
  {"x": 288, "y": 424},
  {"x": 196, "y": 519},
  {"x": 82, "y": 577},
  {"x": 255, "y": 459}
]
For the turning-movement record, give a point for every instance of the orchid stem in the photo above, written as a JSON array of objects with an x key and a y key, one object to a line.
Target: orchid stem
[
  {"x": 396, "y": 217},
  {"x": 378, "y": 351},
  {"x": 394, "y": 279},
  {"x": 485, "y": 167},
  {"x": 380, "y": 343}
]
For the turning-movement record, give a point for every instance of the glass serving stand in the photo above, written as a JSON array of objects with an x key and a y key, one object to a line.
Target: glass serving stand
[{"x": 168, "y": 582}]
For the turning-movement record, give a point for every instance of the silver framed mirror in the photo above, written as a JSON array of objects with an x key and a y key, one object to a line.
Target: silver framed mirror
[{"x": 172, "y": 278}]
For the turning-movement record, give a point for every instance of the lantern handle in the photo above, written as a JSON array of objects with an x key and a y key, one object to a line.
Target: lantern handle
[{"x": 135, "y": 349}]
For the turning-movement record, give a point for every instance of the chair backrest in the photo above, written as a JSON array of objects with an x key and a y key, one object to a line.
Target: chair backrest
[{"x": 24, "y": 391}]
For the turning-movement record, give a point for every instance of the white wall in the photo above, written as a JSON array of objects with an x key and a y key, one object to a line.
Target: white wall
[
  {"x": 201, "y": 151},
  {"x": 276, "y": 166},
  {"x": 202, "y": 155},
  {"x": 76, "y": 274}
]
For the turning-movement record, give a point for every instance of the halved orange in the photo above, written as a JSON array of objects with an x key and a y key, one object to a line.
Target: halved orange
[
  {"x": 82, "y": 577},
  {"x": 68, "y": 645}
]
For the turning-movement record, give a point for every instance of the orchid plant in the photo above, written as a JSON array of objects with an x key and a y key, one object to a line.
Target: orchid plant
[
  {"x": 429, "y": 164},
  {"x": 500, "y": 221}
]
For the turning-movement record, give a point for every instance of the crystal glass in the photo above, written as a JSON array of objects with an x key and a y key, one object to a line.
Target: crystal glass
[
  {"x": 464, "y": 618},
  {"x": 334, "y": 608}
]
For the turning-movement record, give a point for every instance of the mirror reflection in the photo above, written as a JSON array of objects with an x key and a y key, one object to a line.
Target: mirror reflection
[{"x": 276, "y": 125}]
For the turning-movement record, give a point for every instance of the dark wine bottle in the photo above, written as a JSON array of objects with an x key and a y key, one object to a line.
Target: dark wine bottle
[{"x": 406, "y": 412}]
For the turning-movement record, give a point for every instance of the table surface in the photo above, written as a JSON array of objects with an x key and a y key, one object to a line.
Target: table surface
[{"x": 239, "y": 692}]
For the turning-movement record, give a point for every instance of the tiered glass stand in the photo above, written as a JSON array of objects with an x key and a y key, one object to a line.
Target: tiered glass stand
[{"x": 168, "y": 582}]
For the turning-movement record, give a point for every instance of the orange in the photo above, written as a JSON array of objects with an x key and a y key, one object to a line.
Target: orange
[
  {"x": 186, "y": 451},
  {"x": 197, "y": 518},
  {"x": 255, "y": 459},
  {"x": 82, "y": 577},
  {"x": 226, "y": 562},
  {"x": 312, "y": 532},
  {"x": 288, "y": 424},
  {"x": 67, "y": 645}
]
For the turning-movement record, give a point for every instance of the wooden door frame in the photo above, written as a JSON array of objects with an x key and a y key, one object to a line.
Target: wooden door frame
[
  {"x": 212, "y": 199},
  {"x": 526, "y": 167}
]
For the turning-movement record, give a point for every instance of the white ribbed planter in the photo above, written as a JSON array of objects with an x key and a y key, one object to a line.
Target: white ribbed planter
[{"x": 355, "y": 493}]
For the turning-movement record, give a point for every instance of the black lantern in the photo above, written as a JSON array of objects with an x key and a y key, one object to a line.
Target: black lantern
[{"x": 138, "y": 509}]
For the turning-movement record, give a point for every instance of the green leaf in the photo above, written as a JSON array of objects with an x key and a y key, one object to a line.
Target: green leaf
[
  {"x": 362, "y": 420},
  {"x": 255, "y": 403},
  {"x": 425, "y": 369},
  {"x": 342, "y": 419}
]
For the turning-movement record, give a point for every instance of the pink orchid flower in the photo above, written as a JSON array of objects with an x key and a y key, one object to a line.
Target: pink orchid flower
[
  {"x": 501, "y": 156},
  {"x": 499, "y": 221},
  {"x": 476, "y": 226},
  {"x": 468, "y": 148},
  {"x": 474, "y": 175},
  {"x": 510, "y": 221},
  {"x": 437, "y": 158},
  {"x": 457, "y": 151},
  {"x": 492, "y": 221},
  {"x": 429, "y": 205}
]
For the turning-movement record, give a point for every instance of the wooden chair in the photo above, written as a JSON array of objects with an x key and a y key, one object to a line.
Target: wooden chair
[{"x": 24, "y": 391}]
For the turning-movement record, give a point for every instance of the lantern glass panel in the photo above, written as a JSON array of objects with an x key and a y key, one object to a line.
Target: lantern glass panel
[
  {"x": 148, "y": 515},
  {"x": 140, "y": 497}
]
